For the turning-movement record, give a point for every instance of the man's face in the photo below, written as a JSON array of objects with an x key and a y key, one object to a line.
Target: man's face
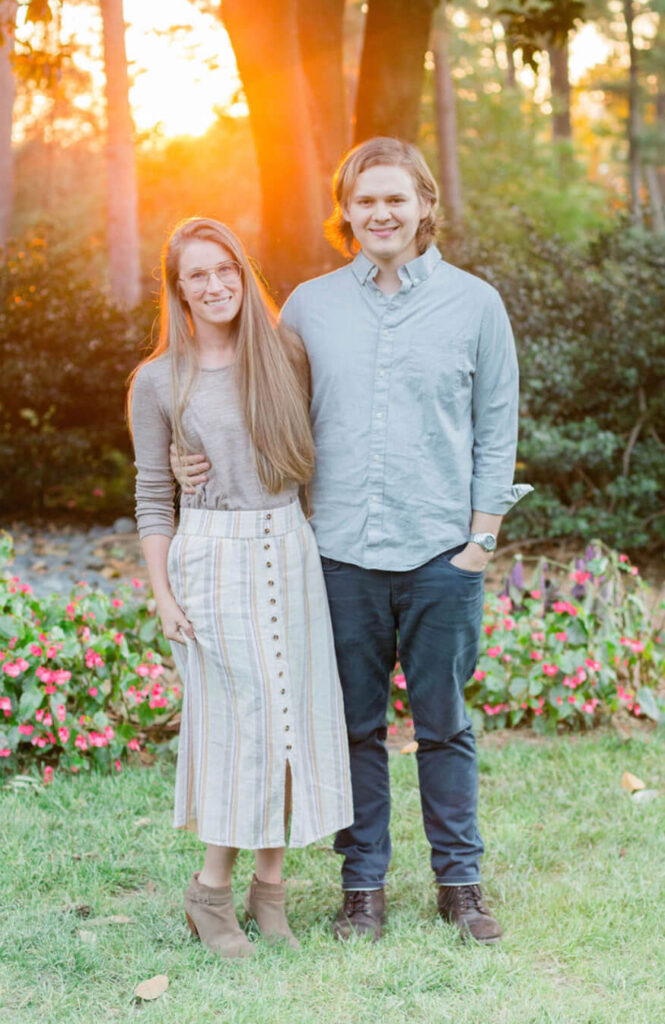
[{"x": 384, "y": 212}]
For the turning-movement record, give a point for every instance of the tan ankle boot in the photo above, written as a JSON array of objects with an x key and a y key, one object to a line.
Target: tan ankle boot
[
  {"x": 212, "y": 918},
  {"x": 264, "y": 903}
]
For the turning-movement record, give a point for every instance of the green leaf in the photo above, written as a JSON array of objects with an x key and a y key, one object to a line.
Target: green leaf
[
  {"x": 7, "y": 626},
  {"x": 518, "y": 688},
  {"x": 647, "y": 702},
  {"x": 148, "y": 631},
  {"x": 30, "y": 701}
]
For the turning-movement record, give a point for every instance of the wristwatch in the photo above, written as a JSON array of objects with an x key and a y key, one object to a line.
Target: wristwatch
[{"x": 487, "y": 541}]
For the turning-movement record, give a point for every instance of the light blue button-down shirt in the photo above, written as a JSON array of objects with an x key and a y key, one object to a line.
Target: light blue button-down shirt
[{"x": 414, "y": 409}]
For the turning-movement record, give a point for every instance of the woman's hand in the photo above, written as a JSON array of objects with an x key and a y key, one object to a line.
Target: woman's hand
[
  {"x": 189, "y": 471},
  {"x": 174, "y": 621}
]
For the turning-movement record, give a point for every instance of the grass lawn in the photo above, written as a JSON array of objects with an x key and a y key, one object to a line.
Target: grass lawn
[{"x": 575, "y": 871}]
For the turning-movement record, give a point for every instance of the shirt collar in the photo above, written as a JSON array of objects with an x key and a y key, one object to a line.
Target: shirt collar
[{"x": 413, "y": 272}]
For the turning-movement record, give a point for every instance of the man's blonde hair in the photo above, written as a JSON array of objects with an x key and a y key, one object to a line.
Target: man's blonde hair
[{"x": 381, "y": 151}]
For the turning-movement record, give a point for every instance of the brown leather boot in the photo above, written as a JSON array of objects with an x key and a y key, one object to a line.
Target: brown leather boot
[
  {"x": 212, "y": 918},
  {"x": 362, "y": 913},
  {"x": 264, "y": 904},
  {"x": 462, "y": 905}
]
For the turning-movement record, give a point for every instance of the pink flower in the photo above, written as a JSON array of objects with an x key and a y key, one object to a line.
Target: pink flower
[
  {"x": 564, "y": 608},
  {"x": 117, "y": 765},
  {"x": 535, "y": 594},
  {"x": 81, "y": 742},
  {"x": 39, "y": 714},
  {"x": 580, "y": 576},
  {"x": 98, "y": 492},
  {"x": 48, "y": 690},
  {"x": 634, "y": 571},
  {"x": 85, "y": 634},
  {"x": 561, "y": 637},
  {"x": 48, "y": 721},
  {"x": 142, "y": 670},
  {"x": 479, "y": 675},
  {"x": 5, "y": 752},
  {"x": 61, "y": 676},
  {"x": 43, "y": 673},
  {"x": 109, "y": 732},
  {"x": 637, "y": 710},
  {"x": 489, "y": 630},
  {"x": 25, "y": 729},
  {"x": 51, "y": 651},
  {"x": 538, "y": 638},
  {"x": 559, "y": 700},
  {"x": 624, "y": 558},
  {"x": 118, "y": 638},
  {"x": 137, "y": 583},
  {"x": 134, "y": 744},
  {"x": 507, "y": 657},
  {"x": 63, "y": 733},
  {"x": 93, "y": 659},
  {"x": 595, "y": 666},
  {"x": 157, "y": 670},
  {"x": 637, "y": 646},
  {"x": 550, "y": 670},
  {"x": 494, "y": 652},
  {"x": 6, "y": 706},
  {"x": 572, "y": 699},
  {"x": 117, "y": 603},
  {"x": 392, "y": 729},
  {"x": 581, "y": 675},
  {"x": 61, "y": 712},
  {"x": 26, "y": 588},
  {"x": 48, "y": 775},
  {"x": 11, "y": 669},
  {"x": 536, "y": 655},
  {"x": 35, "y": 650},
  {"x": 399, "y": 706},
  {"x": 509, "y": 623},
  {"x": 93, "y": 691},
  {"x": 22, "y": 664}
]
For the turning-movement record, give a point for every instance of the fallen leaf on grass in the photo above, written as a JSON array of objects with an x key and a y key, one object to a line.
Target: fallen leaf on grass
[
  {"x": 644, "y": 796},
  {"x": 112, "y": 919},
  {"x": 631, "y": 782},
  {"x": 410, "y": 748},
  {"x": 152, "y": 988},
  {"x": 140, "y": 822},
  {"x": 86, "y": 936}
]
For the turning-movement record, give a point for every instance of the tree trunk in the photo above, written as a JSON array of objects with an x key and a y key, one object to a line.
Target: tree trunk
[
  {"x": 7, "y": 91},
  {"x": 446, "y": 125},
  {"x": 511, "y": 79},
  {"x": 267, "y": 51},
  {"x": 321, "y": 37},
  {"x": 633, "y": 119},
  {"x": 656, "y": 199},
  {"x": 122, "y": 213},
  {"x": 560, "y": 91},
  {"x": 392, "y": 68}
]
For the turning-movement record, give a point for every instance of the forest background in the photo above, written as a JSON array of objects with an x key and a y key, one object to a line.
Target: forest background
[{"x": 544, "y": 121}]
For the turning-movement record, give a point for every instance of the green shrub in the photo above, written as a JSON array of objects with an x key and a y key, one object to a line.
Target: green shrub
[
  {"x": 66, "y": 353},
  {"x": 569, "y": 647},
  {"x": 83, "y": 680},
  {"x": 590, "y": 330}
]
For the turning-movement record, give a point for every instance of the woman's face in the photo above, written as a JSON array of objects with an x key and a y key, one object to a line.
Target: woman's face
[{"x": 211, "y": 284}]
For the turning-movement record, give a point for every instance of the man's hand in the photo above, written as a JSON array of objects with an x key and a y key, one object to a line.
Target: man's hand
[
  {"x": 174, "y": 621},
  {"x": 190, "y": 471},
  {"x": 472, "y": 558}
]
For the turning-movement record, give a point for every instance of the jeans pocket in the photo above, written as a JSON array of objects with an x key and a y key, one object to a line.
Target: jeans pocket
[{"x": 330, "y": 564}]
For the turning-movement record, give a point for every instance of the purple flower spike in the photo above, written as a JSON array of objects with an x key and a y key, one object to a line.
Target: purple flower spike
[{"x": 516, "y": 578}]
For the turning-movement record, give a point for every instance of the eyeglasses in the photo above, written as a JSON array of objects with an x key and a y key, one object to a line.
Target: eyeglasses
[{"x": 198, "y": 280}]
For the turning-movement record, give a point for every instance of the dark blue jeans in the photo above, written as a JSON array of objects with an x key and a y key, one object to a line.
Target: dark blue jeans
[{"x": 437, "y": 611}]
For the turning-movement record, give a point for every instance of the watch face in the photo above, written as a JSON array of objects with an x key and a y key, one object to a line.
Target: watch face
[{"x": 487, "y": 541}]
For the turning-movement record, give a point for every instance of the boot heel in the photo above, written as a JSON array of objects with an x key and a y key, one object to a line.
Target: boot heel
[{"x": 192, "y": 926}]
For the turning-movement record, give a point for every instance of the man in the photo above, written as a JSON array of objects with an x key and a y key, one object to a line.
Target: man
[{"x": 414, "y": 411}]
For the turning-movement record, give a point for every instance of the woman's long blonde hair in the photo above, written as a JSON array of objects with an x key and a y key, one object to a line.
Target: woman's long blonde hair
[{"x": 272, "y": 371}]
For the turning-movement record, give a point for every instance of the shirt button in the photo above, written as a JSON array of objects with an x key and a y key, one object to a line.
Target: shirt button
[
  {"x": 266, "y": 547},
  {"x": 273, "y": 600},
  {"x": 282, "y": 692},
  {"x": 268, "y": 565},
  {"x": 279, "y": 654},
  {"x": 273, "y": 618},
  {"x": 287, "y": 728},
  {"x": 279, "y": 675},
  {"x": 275, "y": 637},
  {"x": 267, "y": 529},
  {"x": 379, "y": 415},
  {"x": 288, "y": 746},
  {"x": 284, "y": 710},
  {"x": 268, "y": 516},
  {"x": 271, "y": 583}
]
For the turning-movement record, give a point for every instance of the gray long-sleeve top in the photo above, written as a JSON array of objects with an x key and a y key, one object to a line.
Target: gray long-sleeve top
[{"x": 213, "y": 423}]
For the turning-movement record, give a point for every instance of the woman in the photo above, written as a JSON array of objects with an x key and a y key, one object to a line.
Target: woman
[{"x": 239, "y": 589}]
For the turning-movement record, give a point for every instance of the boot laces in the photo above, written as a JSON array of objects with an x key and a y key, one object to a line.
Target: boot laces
[{"x": 358, "y": 901}]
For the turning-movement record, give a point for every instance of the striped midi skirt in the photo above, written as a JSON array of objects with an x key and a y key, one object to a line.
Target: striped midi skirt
[{"x": 261, "y": 689}]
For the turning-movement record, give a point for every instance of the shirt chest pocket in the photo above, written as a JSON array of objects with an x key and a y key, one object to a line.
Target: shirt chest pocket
[{"x": 440, "y": 367}]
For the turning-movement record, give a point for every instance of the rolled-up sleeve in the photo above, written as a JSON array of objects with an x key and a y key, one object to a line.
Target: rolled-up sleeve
[
  {"x": 151, "y": 428},
  {"x": 495, "y": 414}
]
